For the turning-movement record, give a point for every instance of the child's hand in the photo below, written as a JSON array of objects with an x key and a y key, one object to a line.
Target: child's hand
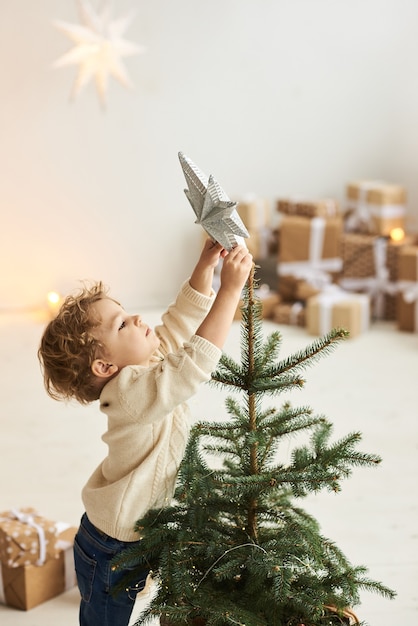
[
  {"x": 211, "y": 253},
  {"x": 202, "y": 276},
  {"x": 236, "y": 268},
  {"x": 235, "y": 271}
]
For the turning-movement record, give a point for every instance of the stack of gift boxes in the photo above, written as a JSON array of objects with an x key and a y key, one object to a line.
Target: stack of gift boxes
[
  {"x": 380, "y": 256},
  {"x": 338, "y": 266},
  {"x": 36, "y": 558},
  {"x": 345, "y": 268}
]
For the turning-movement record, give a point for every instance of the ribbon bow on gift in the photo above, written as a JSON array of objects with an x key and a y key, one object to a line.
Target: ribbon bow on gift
[{"x": 27, "y": 518}]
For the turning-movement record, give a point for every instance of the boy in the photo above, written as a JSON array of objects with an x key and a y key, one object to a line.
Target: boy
[{"x": 94, "y": 350}]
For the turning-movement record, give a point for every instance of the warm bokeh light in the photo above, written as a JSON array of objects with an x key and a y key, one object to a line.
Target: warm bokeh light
[
  {"x": 53, "y": 297},
  {"x": 397, "y": 234},
  {"x": 54, "y": 302}
]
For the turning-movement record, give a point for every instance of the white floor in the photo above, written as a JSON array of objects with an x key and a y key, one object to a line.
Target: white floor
[{"x": 369, "y": 384}]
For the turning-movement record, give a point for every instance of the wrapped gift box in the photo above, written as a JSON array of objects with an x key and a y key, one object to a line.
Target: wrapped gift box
[
  {"x": 407, "y": 314},
  {"x": 335, "y": 308},
  {"x": 326, "y": 207},
  {"x": 291, "y": 313},
  {"x": 375, "y": 207},
  {"x": 26, "y": 537},
  {"x": 26, "y": 586},
  {"x": 256, "y": 215},
  {"x": 254, "y": 212},
  {"x": 310, "y": 248},
  {"x": 293, "y": 289},
  {"x": 370, "y": 265}
]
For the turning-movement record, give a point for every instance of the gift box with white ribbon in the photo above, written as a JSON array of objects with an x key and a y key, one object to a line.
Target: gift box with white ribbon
[
  {"x": 336, "y": 308},
  {"x": 371, "y": 266},
  {"x": 26, "y": 538},
  {"x": 30, "y": 577},
  {"x": 310, "y": 248},
  {"x": 375, "y": 206},
  {"x": 289, "y": 313}
]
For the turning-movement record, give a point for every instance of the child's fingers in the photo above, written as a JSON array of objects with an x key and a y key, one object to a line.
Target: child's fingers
[{"x": 238, "y": 251}]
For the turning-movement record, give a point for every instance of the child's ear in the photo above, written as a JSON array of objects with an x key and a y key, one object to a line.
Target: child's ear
[{"x": 103, "y": 369}]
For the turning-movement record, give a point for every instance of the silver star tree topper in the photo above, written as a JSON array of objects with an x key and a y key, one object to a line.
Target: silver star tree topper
[{"x": 215, "y": 212}]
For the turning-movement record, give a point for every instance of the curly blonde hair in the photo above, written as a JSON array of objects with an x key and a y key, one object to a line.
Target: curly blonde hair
[{"x": 68, "y": 348}]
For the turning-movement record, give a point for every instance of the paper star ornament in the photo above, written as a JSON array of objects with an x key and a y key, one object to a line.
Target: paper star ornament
[
  {"x": 99, "y": 48},
  {"x": 215, "y": 212}
]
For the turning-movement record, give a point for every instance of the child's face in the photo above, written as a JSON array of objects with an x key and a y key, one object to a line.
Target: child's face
[{"x": 127, "y": 340}]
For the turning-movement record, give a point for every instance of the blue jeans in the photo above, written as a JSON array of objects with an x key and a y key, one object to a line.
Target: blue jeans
[{"x": 93, "y": 552}]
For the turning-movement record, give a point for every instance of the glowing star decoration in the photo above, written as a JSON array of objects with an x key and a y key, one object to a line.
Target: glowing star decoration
[
  {"x": 99, "y": 48},
  {"x": 215, "y": 212}
]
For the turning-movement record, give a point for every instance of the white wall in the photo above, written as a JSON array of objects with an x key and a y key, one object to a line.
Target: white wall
[{"x": 271, "y": 96}]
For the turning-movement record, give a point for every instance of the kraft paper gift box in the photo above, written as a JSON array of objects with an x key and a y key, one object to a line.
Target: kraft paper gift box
[
  {"x": 370, "y": 265},
  {"x": 407, "y": 314},
  {"x": 26, "y": 537},
  {"x": 290, "y": 313},
  {"x": 254, "y": 212},
  {"x": 27, "y": 586},
  {"x": 310, "y": 248},
  {"x": 375, "y": 206},
  {"x": 293, "y": 289},
  {"x": 335, "y": 308},
  {"x": 326, "y": 207}
]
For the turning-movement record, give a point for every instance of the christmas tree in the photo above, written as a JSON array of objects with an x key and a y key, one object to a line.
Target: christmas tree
[{"x": 235, "y": 547}]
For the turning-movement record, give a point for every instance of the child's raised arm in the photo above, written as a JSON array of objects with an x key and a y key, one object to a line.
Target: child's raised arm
[
  {"x": 202, "y": 277},
  {"x": 235, "y": 271}
]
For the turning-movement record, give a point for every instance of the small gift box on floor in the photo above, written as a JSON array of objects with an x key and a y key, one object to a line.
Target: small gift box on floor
[
  {"x": 407, "y": 314},
  {"x": 290, "y": 313},
  {"x": 26, "y": 538},
  {"x": 293, "y": 289},
  {"x": 36, "y": 558},
  {"x": 375, "y": 206},
  {"x": 335, "y": 308}
]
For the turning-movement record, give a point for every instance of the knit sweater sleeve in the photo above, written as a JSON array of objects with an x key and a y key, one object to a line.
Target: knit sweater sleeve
[
  {"x": 182, "y": 318},
  {"x": 147, "y": 395}
]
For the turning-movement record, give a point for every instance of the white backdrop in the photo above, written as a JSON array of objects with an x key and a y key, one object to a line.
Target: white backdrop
[{"x": 271, "y": 96}]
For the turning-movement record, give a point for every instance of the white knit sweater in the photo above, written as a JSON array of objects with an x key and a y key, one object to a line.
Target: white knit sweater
[{"x": 148, "y": 421}]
